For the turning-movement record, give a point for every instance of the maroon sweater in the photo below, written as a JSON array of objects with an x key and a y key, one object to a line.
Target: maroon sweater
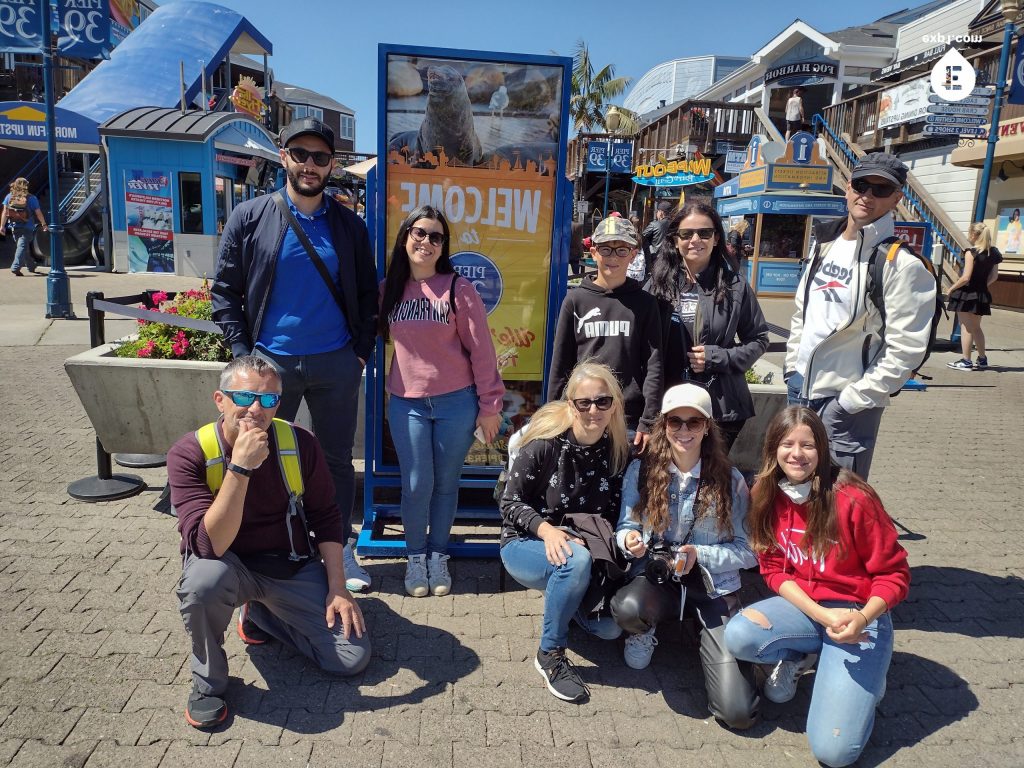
[{"x": 266, "y": 499}]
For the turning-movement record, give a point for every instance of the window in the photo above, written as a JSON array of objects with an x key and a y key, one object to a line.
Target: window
[
  {"x": 223, "y": 187},
  {"x": 304, "y": 110},
  {"x": 348, "y": 127},
  {"x": 190, "y": 197}
]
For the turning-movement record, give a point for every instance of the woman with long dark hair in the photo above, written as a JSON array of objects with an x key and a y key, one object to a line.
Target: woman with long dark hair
[
  {"x": 970, "y": 297},
  {"x": 443, "y": 382},
  {"x": 828, "y": 548},
  {"x": 570, "y": 461},
  {"x": 706, "y": 307},
  {"x": 683, "y": 509}
]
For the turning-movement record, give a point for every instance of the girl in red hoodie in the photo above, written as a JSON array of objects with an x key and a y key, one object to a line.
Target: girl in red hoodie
[{"x": 828, "y": 548}]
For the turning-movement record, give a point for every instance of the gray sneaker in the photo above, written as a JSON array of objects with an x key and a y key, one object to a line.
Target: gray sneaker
[
  {"x": 356, "y": 577},
  {"x": 780, "y": 686},
  {"x": 417, "y": 583},
  {"x": 437, "y": 574}
]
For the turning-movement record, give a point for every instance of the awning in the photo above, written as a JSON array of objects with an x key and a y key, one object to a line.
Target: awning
[
  {"x": 231, "y": 139},
  {"x": 362, "y": 168},
  {"x": 1009, "y": 147}
]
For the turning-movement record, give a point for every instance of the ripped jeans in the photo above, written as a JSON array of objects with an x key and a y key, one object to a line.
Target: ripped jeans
[{"x": 850, "y": 677}]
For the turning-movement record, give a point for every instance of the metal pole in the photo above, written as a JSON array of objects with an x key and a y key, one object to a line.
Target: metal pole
[
  {"x": 993, "y": 131},
  {"x": 58, "y": 287},
  {"x": 607, "y": 172}
]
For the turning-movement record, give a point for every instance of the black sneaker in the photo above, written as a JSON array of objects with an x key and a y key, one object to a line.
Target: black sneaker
[
  {"x": 560, "y": 675},
  {"x": 981, "y": 363},
  {"x": 205, "y": 711},
  {"x": 247, "y": 629}
]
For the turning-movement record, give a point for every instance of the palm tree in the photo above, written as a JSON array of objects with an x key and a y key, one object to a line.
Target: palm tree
[{"x": 591, "y": 92}]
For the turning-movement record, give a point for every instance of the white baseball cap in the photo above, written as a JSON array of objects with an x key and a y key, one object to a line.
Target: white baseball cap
[{"x": 687, "y": 396}]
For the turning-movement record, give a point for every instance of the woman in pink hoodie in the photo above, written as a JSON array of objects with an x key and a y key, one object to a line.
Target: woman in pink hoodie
[{"x": 828, "y": 548}]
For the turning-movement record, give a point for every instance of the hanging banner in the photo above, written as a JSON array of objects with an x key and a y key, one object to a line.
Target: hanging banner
[
  {"x": 622, "y": 156},
  {"x": 84, "y": 29},
  {"x": 675, "y": 173},
  {"x": 1017, "y": 76},
  {"x": 903, "y": 103},
  {"x": 20, "y": 27},
  {"x": 150, "y": 220}
]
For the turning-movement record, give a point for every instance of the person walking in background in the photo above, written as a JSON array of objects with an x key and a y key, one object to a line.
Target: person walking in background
[
  {"x": 828, "y": 548},
  {"x": 576, "y": 248},
  {"x": 970, "y": 297},
  {"x": 683, "y": 511},
  {"x": 737, "y": 248},
  {"x": 570, "y": 460},
  {"x": 297, "y": 284},
  {"x": 638, "y": 266},
  {"x": 795, "y": 112},
  {"x": 654, "y": 233},
  {"x": 609, "y": 319},
  {"x": 843, "y": 359},
  {"x": 20, "y": 213},
  {"x": 713, "y": 327},
  {"x": 443, "y": 382}
]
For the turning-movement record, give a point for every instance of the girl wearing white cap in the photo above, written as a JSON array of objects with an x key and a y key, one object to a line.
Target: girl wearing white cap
[{"x": 682, "y": 520}]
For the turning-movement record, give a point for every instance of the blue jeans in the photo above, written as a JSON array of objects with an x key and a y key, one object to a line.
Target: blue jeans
[
  {"x": 850, "y": 678},
  {"x": 851, "y": 436},
  {"x": 563, "y": 585},
  {"x": 432, "y": 436},
  {"x": 22, "y": 248},
  {"x": 331, "y": 382}
]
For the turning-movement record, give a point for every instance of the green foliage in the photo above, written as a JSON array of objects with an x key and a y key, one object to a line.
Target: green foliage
[
  {"x": 160, "y": 341},
  {"x": 752, "y": 378},
  {"x": 592, "y": 91}
]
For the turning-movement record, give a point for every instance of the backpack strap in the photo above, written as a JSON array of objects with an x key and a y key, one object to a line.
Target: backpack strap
[
  {"x": 213, "y": 452},
  {"x": 451, "y": 293},
  {"x": 288, "y": 457}
]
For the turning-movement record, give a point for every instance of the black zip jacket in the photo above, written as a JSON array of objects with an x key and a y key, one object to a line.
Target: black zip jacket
[
  {"x": 734, "y": 336},
  {"x": 247, "y": 260},
  {"x": 620, "y": 328}
]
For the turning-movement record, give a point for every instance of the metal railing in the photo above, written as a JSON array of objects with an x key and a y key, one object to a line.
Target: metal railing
[{"x": 80, "y": 192}]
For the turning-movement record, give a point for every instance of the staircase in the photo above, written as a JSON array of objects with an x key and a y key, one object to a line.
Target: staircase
[
  {"x": 916, "y": 205},
  {"x": 75, "y": 198}
]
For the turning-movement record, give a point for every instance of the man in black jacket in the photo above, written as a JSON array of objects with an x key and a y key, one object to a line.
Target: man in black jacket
[
  {"x": 314, "y": 321},
  {"x": 654, "y": 233}
]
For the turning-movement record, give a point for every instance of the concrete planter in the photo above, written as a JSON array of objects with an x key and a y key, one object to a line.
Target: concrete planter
[
  {"x": 142, "y": 406},
  {"x": 769, "y": 399}
]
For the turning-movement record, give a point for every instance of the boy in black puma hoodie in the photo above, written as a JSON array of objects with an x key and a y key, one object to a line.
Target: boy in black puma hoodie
[{"x": 609, "y": 319}]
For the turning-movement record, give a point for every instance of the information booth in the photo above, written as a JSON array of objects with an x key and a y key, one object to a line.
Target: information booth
[
  {"x": 781, "y": 190},
  {"x": 496, "y": 175}
]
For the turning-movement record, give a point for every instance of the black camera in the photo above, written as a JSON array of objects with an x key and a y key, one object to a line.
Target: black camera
[{"x": 663, "y": 563}]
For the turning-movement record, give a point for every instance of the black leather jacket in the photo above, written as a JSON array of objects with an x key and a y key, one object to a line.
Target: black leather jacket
[{"x": 247, "y": 260}]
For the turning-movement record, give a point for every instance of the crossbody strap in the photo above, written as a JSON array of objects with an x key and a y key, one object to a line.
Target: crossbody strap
[{"x": 313, "y": 255}]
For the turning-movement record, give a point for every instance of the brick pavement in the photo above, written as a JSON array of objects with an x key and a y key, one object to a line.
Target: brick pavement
[{"x": 92, "y": 651}]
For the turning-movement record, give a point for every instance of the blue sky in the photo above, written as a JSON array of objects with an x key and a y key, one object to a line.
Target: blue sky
[{"x": 331, "y": 45}]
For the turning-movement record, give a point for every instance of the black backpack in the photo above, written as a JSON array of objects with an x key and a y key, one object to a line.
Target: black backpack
[{"x": 876, "y": 271}]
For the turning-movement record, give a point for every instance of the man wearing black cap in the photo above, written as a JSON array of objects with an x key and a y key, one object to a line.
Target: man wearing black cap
[
  {"x": 297, "y": 284},
  {"x": 843, "y": 359}
]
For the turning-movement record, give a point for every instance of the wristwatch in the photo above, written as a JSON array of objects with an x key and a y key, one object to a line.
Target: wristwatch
[{"x": 240, "y": 470}]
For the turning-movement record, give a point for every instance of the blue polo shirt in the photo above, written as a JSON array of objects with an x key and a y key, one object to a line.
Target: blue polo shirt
[{"x": 302, "y": 317}]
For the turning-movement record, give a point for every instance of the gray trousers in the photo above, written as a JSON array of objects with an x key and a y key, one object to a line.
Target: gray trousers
[
  {"x": 331, "y": 383},
  {"x": 291, "y": 610},
  {"x": 851, "y": 437}
]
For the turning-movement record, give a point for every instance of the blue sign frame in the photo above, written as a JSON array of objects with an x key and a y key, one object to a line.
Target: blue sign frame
[
  {"x": 597, "y": 156},
  {"x": 377, "y": 474}
]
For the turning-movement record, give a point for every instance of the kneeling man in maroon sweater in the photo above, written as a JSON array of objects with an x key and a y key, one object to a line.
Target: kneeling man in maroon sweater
[{"x": 250, "y": 546}]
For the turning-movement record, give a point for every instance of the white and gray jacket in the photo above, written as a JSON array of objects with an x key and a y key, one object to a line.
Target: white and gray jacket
[{"x": 858, "y": 363}]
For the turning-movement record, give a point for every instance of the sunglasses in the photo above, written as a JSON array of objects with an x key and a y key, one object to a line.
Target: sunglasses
[
  {"x": 244, "y": 399},
  {"x": 621, "y": 251},
  {"x": 300, "y": 155},
  {"x": 693, "y": 424},
  {"x": 705, "y": 233},
  {"x": 860, "y": 186},
  {"x": 419, "y": 235},
  {"x": 603, "y": 403}
]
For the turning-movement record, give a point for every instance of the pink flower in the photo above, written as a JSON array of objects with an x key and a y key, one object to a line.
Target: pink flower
[
  {"x": 159, "y": 297},
  {"x": 147, "y": 349}
]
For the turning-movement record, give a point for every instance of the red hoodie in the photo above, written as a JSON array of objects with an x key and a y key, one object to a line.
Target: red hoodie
[{"x": 875, "y": 563}]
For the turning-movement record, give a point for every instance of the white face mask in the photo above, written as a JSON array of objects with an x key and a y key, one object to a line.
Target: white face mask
[{"x": 798, "y": 493}]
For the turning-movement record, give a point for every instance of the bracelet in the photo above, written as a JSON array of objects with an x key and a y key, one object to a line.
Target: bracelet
[{"x": 866, "y": 622}]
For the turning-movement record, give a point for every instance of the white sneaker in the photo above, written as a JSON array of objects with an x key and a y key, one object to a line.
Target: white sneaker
[
  {"x": 356, "y": 577},
  {"x": 780, "y": 686},
  {"x": 437, "y": 574},
  {"x": 416, "y": 581},
  {"x": 639, "y": 649}
]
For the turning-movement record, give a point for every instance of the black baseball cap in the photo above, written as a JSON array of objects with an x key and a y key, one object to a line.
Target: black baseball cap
[
  {"x": 307, "y": 126},
  {"x": 881, "y": 164}
]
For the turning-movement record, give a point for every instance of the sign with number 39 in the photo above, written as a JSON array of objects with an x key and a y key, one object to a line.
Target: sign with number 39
[{"x": 84, "y": 27}]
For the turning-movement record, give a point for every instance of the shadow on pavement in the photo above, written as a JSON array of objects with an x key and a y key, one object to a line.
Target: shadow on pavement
[
  {"x": 410, "y": 663},
  {"x": 963, "y": 602}
]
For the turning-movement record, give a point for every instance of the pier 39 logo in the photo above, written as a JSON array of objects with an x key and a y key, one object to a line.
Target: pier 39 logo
[{"x": 483, "y": 274}]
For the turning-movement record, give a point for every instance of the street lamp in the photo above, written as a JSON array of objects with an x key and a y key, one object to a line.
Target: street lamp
[
  {"x": 612, "y": 121},
  {"x": 1009, "y": 9}
]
